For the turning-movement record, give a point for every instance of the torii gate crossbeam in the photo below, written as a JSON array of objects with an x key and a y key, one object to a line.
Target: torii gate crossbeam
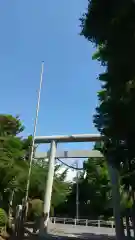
[{"x": 69, "y": 138}]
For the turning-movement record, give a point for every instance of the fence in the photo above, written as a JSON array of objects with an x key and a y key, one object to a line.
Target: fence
[{"x": 83, "y": 222}]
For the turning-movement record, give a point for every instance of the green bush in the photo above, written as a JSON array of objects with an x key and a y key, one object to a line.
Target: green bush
[
  {"x": 3, "y": 217},
  {"x": 35, "y": 208}
]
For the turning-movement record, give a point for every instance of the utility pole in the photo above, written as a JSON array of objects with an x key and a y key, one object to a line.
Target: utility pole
[{"x": 77, "y": 192}]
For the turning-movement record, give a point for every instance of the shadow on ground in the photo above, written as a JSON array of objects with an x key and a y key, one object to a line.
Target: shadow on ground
[
  {"x": 93, "y": 236},
  {"x": 82, "y": 236}
]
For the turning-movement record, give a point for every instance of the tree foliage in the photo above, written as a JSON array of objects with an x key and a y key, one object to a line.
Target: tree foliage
[
  {"x": 14, "y": 164},
  {"x": 3, "y": 218},
  {"x": 110, "y": 26},
  {"x": 94, "y": 188},
  {"x": 9, "y": 125}
]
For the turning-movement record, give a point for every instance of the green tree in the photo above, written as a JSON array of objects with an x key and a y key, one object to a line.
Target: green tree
[
  {"x": 38, "y": 183},
  {"x": 110, "y": 26},
  {"x": 94, "y": 191},
  {"x": 11, "y": 156},
  {"x": 14, "y": 164},
  {"x": 104, "y": 25}
]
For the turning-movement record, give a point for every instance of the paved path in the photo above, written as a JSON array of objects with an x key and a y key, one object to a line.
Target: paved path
[
  {"x": 67, "y": 231},
  {"x": 79, "y": 231}
]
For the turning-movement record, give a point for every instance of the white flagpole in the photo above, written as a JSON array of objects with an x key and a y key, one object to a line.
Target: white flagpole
[{"x": 34, "y": 134}]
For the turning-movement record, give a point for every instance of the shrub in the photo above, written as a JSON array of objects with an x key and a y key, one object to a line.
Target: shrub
[
  {"x": 35, "y": 208},
  {"x": 3, "y": 217}
]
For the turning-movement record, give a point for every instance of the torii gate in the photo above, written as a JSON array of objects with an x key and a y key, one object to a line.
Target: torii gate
[{"x": 52, "y": 154}]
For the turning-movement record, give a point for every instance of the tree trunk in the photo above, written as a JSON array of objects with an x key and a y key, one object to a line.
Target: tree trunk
[
  {"x": 114, "y": 176},
  {"x": 133, "y": 211},
  {"x": 128, "y": 225},
  {"x": 133, "y": 219},
  {"x": 10, "y": 208}
]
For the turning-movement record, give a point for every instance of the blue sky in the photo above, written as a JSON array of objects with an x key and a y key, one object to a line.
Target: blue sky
[{"x": 32, "y": 31}]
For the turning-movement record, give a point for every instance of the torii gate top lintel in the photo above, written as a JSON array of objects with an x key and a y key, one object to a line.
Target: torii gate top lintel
[{"x": 69, "y": 138}]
